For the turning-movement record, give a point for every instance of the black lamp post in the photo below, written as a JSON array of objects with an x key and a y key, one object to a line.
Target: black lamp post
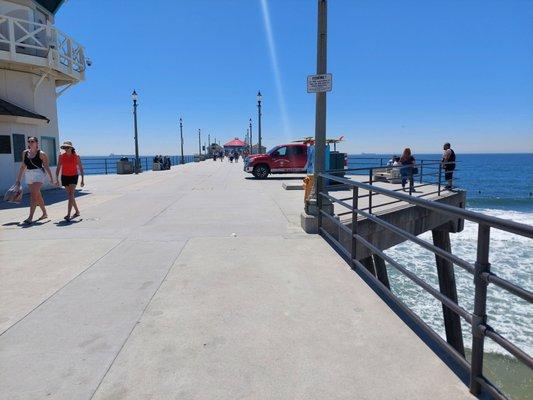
[
  {"x": 134, "y": 98},
  {"x": 250, "y": 136},
  {"x": 182, "y": 161},
  {"x": 259, "y": 98},
  {"x": 199, "y": 144}
]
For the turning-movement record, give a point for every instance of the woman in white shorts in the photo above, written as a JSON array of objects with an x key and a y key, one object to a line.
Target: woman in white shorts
[{"x": 34, "y": 166}]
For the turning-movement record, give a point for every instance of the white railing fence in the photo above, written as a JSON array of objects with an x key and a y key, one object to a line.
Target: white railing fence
[{"x": 22, "y": 37}]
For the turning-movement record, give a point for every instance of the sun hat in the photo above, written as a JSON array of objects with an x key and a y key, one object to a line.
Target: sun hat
[{"x": 67, "y": 144}]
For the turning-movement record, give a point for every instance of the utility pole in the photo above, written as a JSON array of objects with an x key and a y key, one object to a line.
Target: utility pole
[
  {"x": 259, "y": 98},
  {"x": 251, "y": 139},
  {"x": 320, "y": 111},
  {"x": 199, "y": 144},
  {"x": 182, "y": 161},
  {"x": 208, "y": 143}
]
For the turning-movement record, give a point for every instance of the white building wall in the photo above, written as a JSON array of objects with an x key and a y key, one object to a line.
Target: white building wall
[{"x": 17, "y": 88}]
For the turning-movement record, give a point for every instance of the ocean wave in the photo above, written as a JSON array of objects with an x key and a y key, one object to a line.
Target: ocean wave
[
  {"x": 511, "y": 258},
  {"x": 519, "y": 204}
]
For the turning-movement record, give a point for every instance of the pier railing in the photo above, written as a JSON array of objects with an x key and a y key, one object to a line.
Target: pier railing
[
  {"x": 483, "y": 277},
  {"x": 108, "y": 165}
]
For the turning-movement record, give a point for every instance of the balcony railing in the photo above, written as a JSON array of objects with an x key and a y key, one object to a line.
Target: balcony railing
[{"x": 40, "y": 44}]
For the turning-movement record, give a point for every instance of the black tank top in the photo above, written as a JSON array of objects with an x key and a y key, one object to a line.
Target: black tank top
[
  {"x": 35, "y": 162},
  {"x": 452, "y": 156}
]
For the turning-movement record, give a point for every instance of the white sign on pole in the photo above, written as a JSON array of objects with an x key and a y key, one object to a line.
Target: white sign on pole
[{"x": 319, "y": 83}]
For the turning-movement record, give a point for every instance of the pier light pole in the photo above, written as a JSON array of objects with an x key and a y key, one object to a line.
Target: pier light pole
[
  {"x": 259, "y": 98},
  {"x": 182, "y": 161},
  {"x": 134, "y": 98},
  {"x": 320, "y": 111},
  {"x": 208, "y": 143},
  {"x": 199, "y": 144},
  {"x": 251, "y": 140}
]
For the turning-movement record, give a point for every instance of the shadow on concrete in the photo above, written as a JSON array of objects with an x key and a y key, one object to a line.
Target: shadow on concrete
[
  {"x": 51, "y": 196},
  {"x": 67, "y": 223}
]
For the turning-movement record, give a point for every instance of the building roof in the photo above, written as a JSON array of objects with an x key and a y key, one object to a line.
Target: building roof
[
  {"x": 235, "y": 143},
  {"x": 9, "y": 109},
  {"x": 50, "y": 5}
]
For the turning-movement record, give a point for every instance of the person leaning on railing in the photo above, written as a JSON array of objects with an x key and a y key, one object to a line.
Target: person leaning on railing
[
  {"x": 448, "y": 163},
  {"x": 407, "y": 161}
]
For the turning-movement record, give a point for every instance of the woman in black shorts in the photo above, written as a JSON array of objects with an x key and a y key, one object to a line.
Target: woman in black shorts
[{"x": 70, "y": 165}]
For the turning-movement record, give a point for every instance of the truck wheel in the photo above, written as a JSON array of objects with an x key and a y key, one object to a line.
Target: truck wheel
[{"x": 261, "y": 171}]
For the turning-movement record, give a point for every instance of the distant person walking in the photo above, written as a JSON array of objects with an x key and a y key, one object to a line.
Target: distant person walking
[
  {"x": 35, "y": 167},
  {"x": 70, "y": 166},
  {"x": 236, "y": 156},
  {"x": 448, "y": 163},
  {"x": 407, "y": 161}
]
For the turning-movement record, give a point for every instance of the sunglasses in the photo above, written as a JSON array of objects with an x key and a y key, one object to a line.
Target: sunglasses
[{"x": 31, "y": 141}]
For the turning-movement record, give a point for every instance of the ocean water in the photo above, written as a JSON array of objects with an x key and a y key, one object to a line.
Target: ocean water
[
  {"x": 500, "y": 185},
  {"x": 100, "y": 165}
]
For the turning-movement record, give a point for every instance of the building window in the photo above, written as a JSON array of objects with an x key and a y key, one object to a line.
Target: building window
[
  {"x": 5, "y": 144},
  {"x": 19, "y": 145},
  {"x": 48, "y": 145}
]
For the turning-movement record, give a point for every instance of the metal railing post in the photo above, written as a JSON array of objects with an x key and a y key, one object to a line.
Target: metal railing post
[
  {"x": 105, "y": 164},
  {"x": 355, "y": 206},
  {"x": 479, "y": 317},
  {"x": 421, "y": 169},
  {"x": 146, "y": 163},
  {"x": 411, "y": 181},
  {"x": 440, "y": 179},
  {"x": 319, "y": 203},
  {"x": 370, "y": 177}
]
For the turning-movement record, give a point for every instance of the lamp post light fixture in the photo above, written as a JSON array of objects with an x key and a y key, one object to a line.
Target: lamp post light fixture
[
  {"x": 134, "y": 97},
  {"x": 182, "y": 160},
  {"x": 259, "y": 98},
  {"x": 251, "y": 139}
]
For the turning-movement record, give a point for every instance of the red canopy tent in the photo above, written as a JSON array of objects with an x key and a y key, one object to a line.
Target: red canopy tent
[{"x": 236, "y": 143}]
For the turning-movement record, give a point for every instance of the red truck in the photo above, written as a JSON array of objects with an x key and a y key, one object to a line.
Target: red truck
[{"x": 282, "y": 159}]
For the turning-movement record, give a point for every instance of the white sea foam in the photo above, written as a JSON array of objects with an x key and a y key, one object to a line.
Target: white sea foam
[{"x": 511, "y": 258}]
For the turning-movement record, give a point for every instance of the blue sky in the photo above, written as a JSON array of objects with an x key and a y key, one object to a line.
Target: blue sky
[{"x": 405, "y": 73}]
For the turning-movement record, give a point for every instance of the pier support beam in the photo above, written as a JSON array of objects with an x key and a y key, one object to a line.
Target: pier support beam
[
  {"x": 452, "y": 322},
  {"x": 381, "y": 270}
]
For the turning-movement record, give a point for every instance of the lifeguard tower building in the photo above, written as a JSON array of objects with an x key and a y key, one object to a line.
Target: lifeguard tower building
[{"x": 38, "y": 63}]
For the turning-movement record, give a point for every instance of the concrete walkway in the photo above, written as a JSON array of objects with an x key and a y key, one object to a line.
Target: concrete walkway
[{"x": 196, "y": 283}]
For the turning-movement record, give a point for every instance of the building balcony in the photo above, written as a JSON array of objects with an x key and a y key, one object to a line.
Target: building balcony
[{"x": 32, "y": 46}]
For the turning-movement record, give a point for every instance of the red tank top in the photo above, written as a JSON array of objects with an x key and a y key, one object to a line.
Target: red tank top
[{"x": 69, "y": 164}]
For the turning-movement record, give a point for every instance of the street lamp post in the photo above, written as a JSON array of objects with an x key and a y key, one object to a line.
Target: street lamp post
[
  {"x": 134, "y": 98},
  {"x": 259, "y": 98},
  {"x": 208, "y": 143},
  {"x": 182, "y": 161},
  {"x": 251, "y": 139},
  {"x": 199, "y": 144}
]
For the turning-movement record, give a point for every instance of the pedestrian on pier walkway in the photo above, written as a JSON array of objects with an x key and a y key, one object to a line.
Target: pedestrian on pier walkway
[
  {"x": 70, "y": 165},
  {"x": 408, "y": 162},
  {"x": 35, "y": 168},
  {"x": 448, "y": 163}
]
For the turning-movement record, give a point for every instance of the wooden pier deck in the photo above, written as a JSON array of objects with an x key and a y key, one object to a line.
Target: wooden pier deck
[{"x": 196, "y": 283}]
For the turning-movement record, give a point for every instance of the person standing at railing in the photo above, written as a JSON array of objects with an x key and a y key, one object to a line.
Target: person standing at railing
[
  {"x": 70, "y": 165},
  {"x": 448, "y": 163},
  {"x": 407, "y": 161}
]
